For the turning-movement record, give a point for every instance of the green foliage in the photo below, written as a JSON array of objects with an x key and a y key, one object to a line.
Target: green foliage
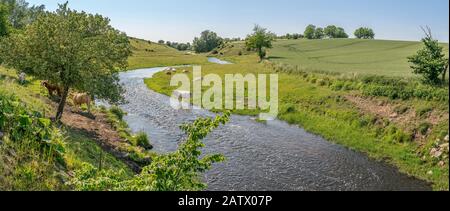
[
  {"x": 4, "y": 23},
  {"x": 20, "y": 13},
  {"x": 118, "y": 112},
  {"x": 310, "y": 31},
  {"x": 141, "y": 140},
  {"x": 319, "y": 33},
  {"x": 335, "y": 32},
  {"x": 30, "y": 129},
  {"x": 430, "y": 62},
  {"x": 177, "y": 171},
  {"x": 364, "y": 33},
  {"x": 72, "y": 49},
  {"x": 206, "y": 42},
  {"x": 259, "y": 41},
  {"x": 424, "y": 127}
]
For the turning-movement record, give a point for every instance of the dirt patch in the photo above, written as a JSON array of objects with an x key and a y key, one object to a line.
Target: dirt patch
[
  {"x": 408, "y": 120},
  {"x": 96, "y": 127}
]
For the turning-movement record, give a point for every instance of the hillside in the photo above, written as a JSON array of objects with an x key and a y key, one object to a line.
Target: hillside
[
  {"x": 380, "y": 57},
  {"x": 148, "y": 54},
  {"x": 374, "y": 57}
]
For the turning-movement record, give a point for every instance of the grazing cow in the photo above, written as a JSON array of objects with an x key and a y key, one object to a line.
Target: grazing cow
[
  {"x": 80, "y": 99},
  {"x": 52, "y": 88}
]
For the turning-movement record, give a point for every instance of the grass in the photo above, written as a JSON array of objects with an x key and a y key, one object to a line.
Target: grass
[
  {"x": 148, "y": 54},
  {"x": 379, "y": 57},
  {"x": 311, "y": 103}
]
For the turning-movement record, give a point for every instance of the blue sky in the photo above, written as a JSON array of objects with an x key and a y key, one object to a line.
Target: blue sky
[{"x": 182, "y": 20}]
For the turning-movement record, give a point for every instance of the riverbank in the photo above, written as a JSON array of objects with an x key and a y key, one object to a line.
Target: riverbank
[
  {"x": 103, "y": 142},
  {"x": 404, "y": 133}
]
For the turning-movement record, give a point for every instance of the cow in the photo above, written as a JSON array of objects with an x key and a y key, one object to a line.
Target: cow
[
  {"x": 52, "y": 88},
  {"x": 80, "y": 99}
]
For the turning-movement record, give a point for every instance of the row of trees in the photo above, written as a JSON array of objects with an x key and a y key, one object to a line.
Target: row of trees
[
  {"x": 332, "y": 31},
  {"x": 176, "y": 45}
]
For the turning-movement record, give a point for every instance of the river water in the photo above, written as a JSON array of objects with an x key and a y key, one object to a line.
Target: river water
[{"x": 271, "y": 156}]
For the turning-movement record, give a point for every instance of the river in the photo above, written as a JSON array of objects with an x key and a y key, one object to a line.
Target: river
[{"x": 271, "y": 156}]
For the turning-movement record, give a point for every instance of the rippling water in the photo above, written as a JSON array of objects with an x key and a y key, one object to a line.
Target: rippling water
[{"x": 272, "y": 156}]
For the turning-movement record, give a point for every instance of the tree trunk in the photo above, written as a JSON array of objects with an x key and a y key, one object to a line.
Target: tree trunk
[
  {"x": 444, "y": 74},
  {"x": 61, "y": 105}
]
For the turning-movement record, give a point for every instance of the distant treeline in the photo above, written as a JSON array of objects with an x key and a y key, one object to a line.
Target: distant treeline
[{"x": 331, "y": 31}]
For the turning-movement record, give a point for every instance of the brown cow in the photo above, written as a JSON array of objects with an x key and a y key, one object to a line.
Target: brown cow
[
  {"x": 80, "y": 99},
  {"x": 52, "y": 88}
]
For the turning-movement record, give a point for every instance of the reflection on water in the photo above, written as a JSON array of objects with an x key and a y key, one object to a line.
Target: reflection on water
[{"x": 272, "y": 156}]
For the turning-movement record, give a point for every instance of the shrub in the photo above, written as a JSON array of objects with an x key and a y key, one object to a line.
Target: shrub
[
  {"x": 141, "y": 140},
  {"x": 422, "y": 111},
  {"x": 177, "y": 171},
  {"x": 118, "y": 112}
]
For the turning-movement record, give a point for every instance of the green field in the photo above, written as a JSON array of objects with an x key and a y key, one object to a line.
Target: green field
[
  {"x": 148, "y": 54},
  {"x": 380, "y": 57}
]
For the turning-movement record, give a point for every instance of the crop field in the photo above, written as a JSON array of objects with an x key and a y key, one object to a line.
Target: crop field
[{"x": 379, "y": 57}]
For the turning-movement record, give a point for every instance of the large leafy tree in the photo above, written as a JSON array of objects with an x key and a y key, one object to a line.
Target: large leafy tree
[
  {"x": 207, "y": 41},
  {"x": 73, "y": 49},
  {"x": 260, "y": 40},
  {"x": 310, "y": 32},
  {"x": 364, "y": 33},
  {"x": 319, "y": 33},
  {"x": 430, "y": 61}
]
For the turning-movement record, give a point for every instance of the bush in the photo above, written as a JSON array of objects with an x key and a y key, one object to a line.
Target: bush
[
  {"x": 118, "y": 112},
  {"x": 177, "y": 171},
  {"x": 141, "y": 140}
]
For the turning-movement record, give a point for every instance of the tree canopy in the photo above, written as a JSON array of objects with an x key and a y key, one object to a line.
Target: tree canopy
[
  {"x": 364, "y": 33},
  {"x": 260, "y": 40},
  {"x": 333, "y": 31},
  {"x": 72, "y": 49},
  {"x": 20, "y": 13},
  {"x": 206, "y": 42},
  {"x": 4, "y": 24},
  {"x": 310, "y": 31}
]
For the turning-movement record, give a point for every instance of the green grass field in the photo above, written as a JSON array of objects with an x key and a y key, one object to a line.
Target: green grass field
[
  {"x": 148, "y": 54},
  {"x": 380, "y": 57}
]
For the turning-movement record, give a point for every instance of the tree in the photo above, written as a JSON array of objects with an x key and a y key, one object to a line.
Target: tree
[
  {"x": 430, "y": 61},
  {"x": 340, "y": 33},
  {"x": 364, "y": 33},
  {"x": 161, "y": 41},
  {"x": 319, "y": 33},
  {"x": 4, "y": 24},
  {"x": 330, "y": 31},
  {"x": 310, "y": 31},
  {"x": 206, "y": 42},
  {"x": 74, "y": 50},
  {"x": 259, "y": 41}
]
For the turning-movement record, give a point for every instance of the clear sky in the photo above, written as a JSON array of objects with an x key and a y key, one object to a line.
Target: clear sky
[{"x": 182, "y": 20}]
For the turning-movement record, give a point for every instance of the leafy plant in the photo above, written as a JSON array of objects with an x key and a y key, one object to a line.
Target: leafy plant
[{"x": 177, "y": 171}]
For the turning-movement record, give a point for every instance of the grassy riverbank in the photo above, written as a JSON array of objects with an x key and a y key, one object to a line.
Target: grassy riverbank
[
  {"x": 24, "y": 167},
  {"x": 400, "y": 128}
]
